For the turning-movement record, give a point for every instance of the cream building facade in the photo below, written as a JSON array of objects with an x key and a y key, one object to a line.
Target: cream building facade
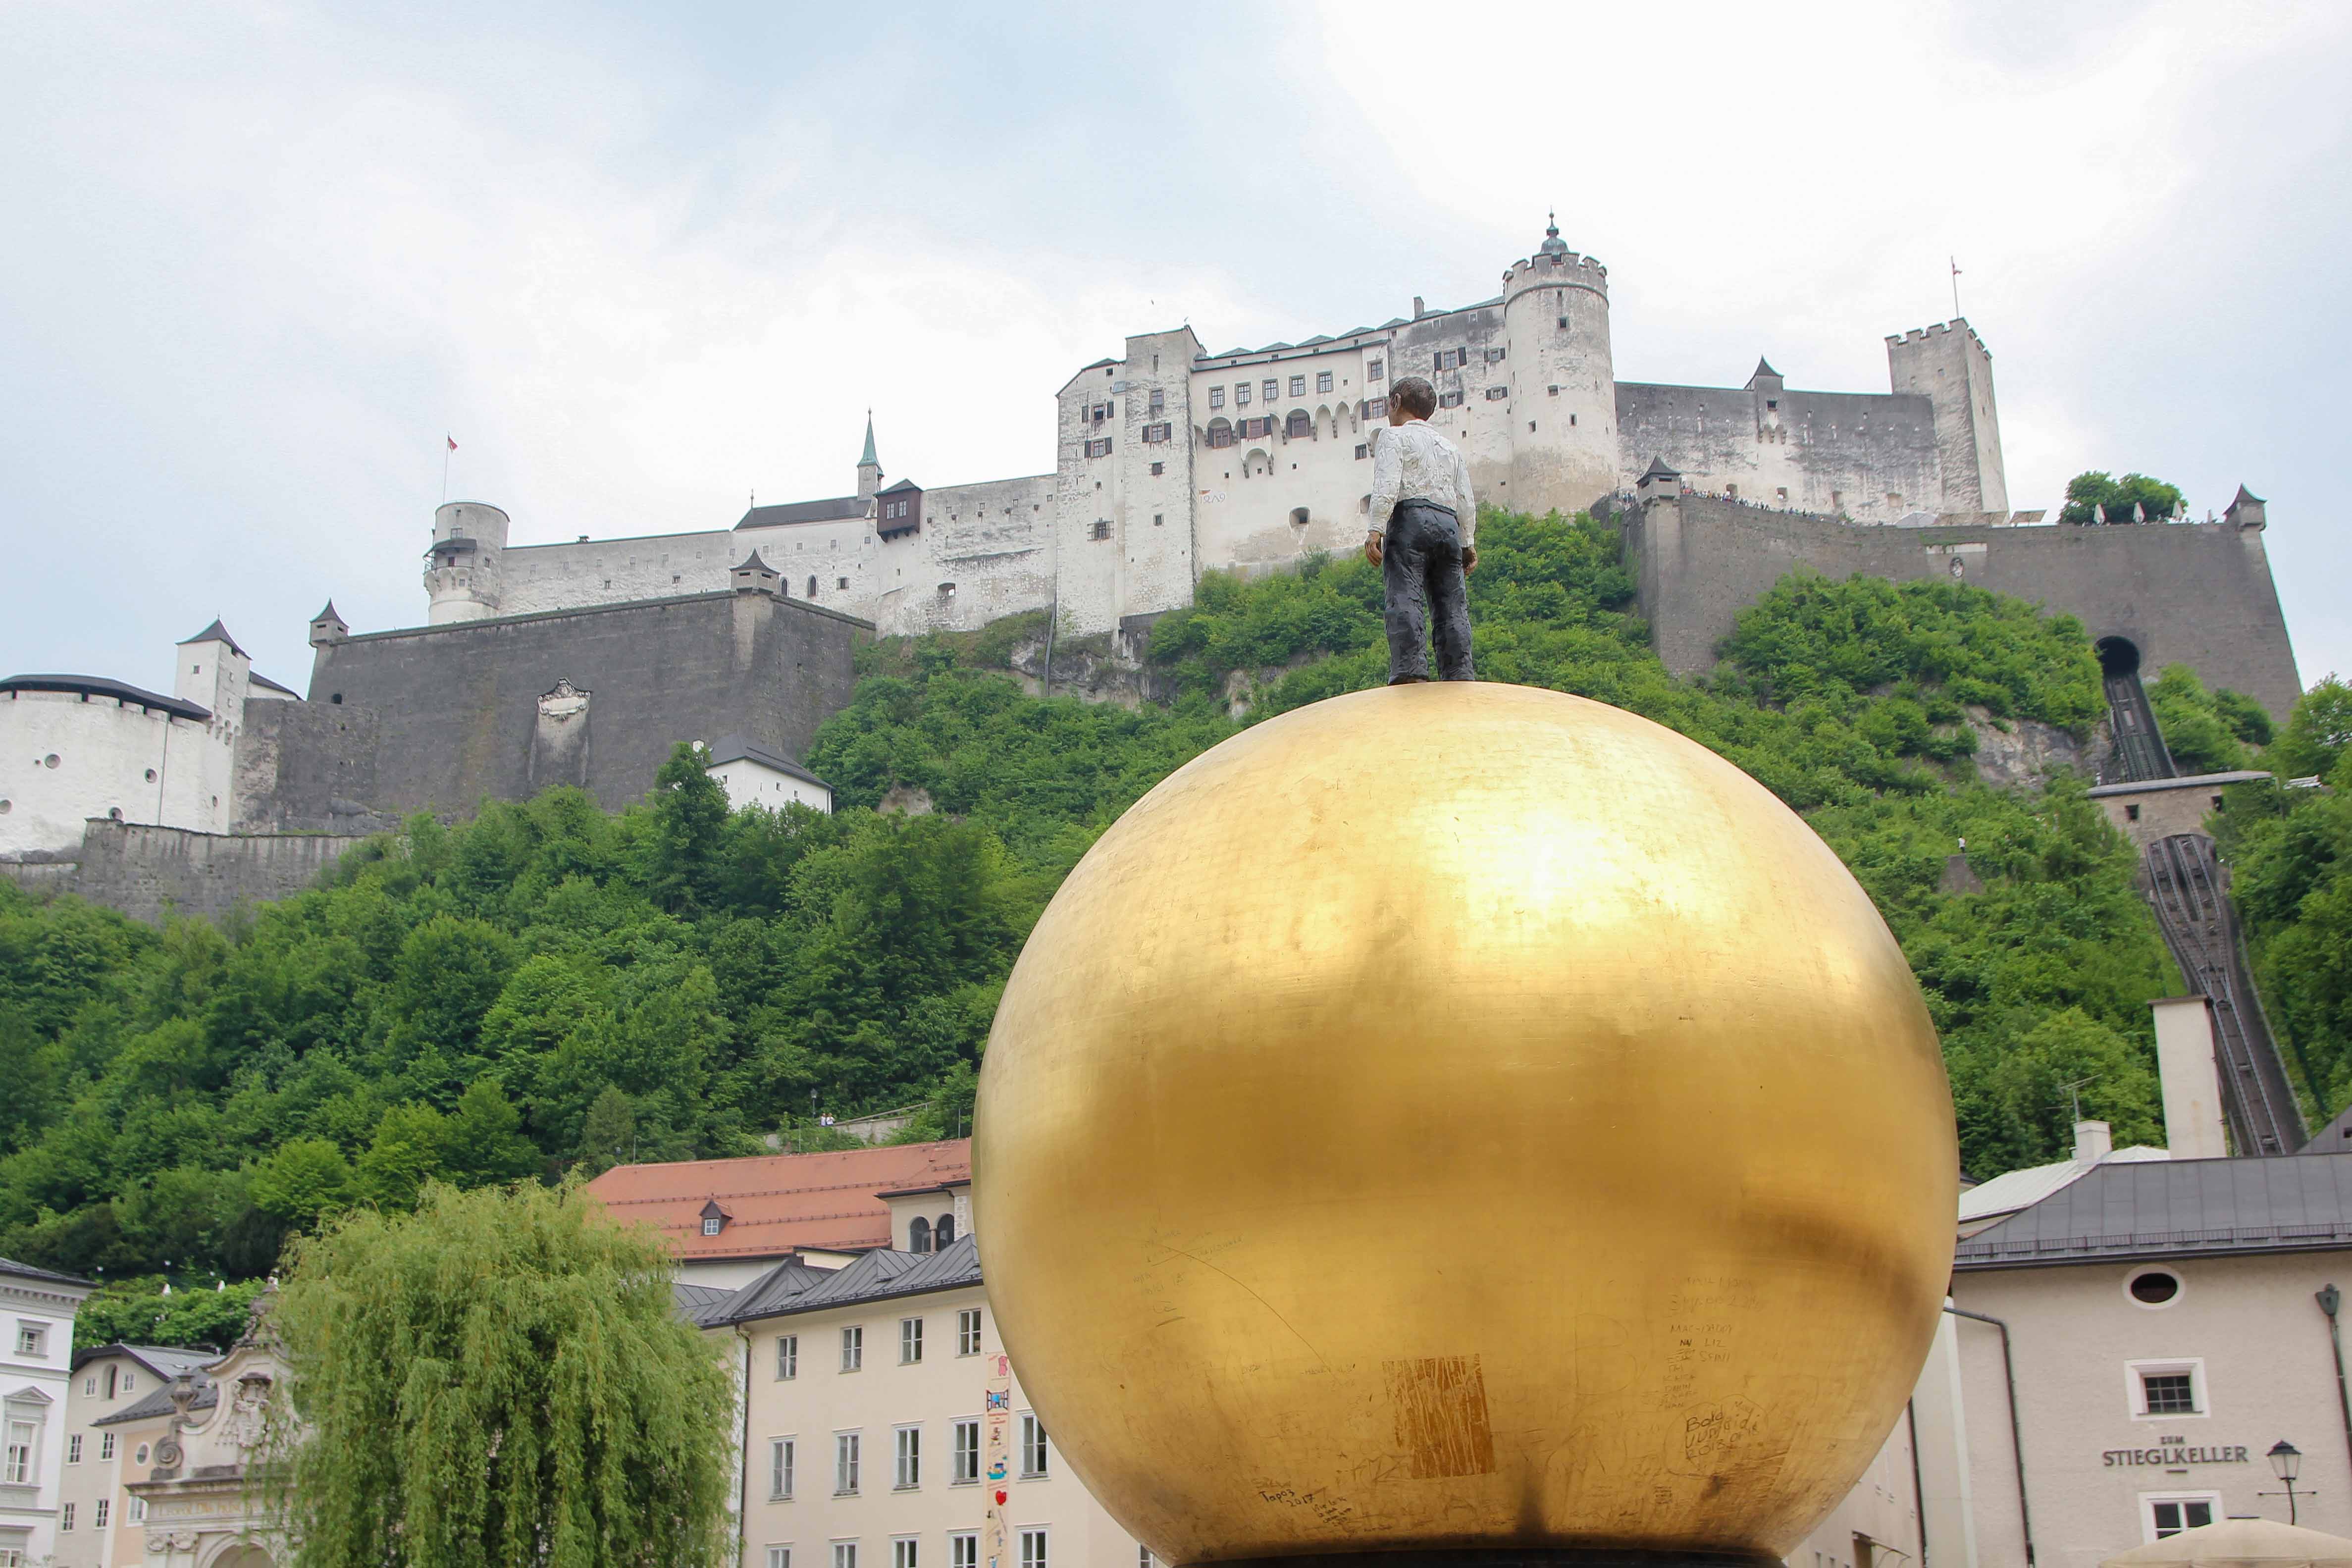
[
  {"x": 99, "y": 1523},
  {"x": 36, "y": 1316}
]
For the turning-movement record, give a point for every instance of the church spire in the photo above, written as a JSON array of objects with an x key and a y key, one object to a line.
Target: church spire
[{"x": 869, "y": 466}]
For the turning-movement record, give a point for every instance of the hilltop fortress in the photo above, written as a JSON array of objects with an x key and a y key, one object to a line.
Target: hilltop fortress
[
  {"x": 1171, "y": 461},
  {"x": 584, "y": 663}
]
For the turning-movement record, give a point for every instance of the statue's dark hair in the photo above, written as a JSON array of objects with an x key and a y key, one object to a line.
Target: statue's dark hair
[{"x": 1415, "y": 397}]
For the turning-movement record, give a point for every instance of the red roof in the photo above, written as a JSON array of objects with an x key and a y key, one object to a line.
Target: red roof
[{"x": 776, "y": 1203}]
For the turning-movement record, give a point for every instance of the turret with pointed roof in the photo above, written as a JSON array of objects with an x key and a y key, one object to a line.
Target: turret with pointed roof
[
  {"x": 327, "y": 626},
  {"x": 216, "y": 633},
  {"x": 1765, "y": 378},
  {"x": 754, "y": 575},
  {"x": 869, "y": 466}
]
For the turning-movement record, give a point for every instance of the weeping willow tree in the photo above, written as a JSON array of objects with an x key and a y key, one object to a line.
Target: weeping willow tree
[{"x": 497, "y": 1379}]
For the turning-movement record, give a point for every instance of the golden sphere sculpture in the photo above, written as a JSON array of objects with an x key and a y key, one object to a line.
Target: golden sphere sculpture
[{"x": 1463, "y": 1116}]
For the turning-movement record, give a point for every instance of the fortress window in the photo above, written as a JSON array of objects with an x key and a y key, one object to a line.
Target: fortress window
[
  {"x": 1217, "y": 397},
  {"x": 1374, "y": 408},
  {"x": 1494, "y": 356},
  {"x": 1158, "y": 518},
  {"x": 1298, "y": 517},
  {"x": 1451, "y": 399},
  {"x": 1155, "y": 433},
  {"x": 1297, "y": 387},
  {"x": 1272, "y": 388},
  {"x": 337, "y": 699},
  {"x": 1221, "y": 434},
  {"x": 811, "y": 592},
  {"x": 1497, "y": 393},
  {"x": 1101, "y": 528},
  {"x": 1374, "y": 370},
  {"x": 1241, "y": 395},
  {"x": 1099, "y": 448},
  {"x": 843, "y": 583},
  {"x": 1301, "y": 423},
  {"x": 1571, "y": 420},
  {"x": 1159, "y": 400},
  {"x": 1563, "y": 323},
  {"x": 1782, "y": 495},
  {"x": 1158, "y": 469},
  {"x": 1362, "y": 451},
  {"x": 1772, "y": 403},
  {"x": 1322, "y": 381}
]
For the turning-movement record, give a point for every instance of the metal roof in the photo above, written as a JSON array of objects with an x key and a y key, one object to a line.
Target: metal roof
[
  {"x": 2176, "y": 1207},
  {"x": 879, "y": 1275},
  {"x": 832, "y": 510},
  {"x": 159, "y": 1402},
  {"x": 26, "y": 1271},
  {"x": 216, "y": 633},
  {"x": 2014, "y": 1190},
  {"x": 163, "y": 1361},
  {"x": 99, "y": 686},
  {"x": 736, "y": 749},
  {"x": 701, "y": 1305}
]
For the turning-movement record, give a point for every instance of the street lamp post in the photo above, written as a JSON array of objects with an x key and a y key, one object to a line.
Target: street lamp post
[{"x": 2286, "y": 1463}]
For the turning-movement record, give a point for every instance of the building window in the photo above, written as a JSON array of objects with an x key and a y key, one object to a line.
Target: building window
[
  {"x": 812, "y": 591},
  {"x": 1322, "y": 381},
  {"x": 780, "y": 1557},
  {"x": 137, "y": 1513},
  {"x": 1220, "y": 433},
  {"x": 1101, "y": 529},
  {"x": 1271, "y": 389},
  {"x": 2163, "y": 1514},
  {"x": 1217, "y": 397},
  {"x": 105, "y": 1447},
  {"x": 2169, "y": 1389},
  {"x": 2152, "y": 1287},
  {"x": 1159, "y": 401},
  {"x": 966, "y": 1469},
  {"x": 845, "y": 1555},
  {"x": 910, "y": 1340},
  {"x": 1032, "y": 1446},
  {"x": 1155, "y": 434},
  {"x": 711, "y": 1226},
  {"x": 968, "y": 1332},
  {"x": 1497, "y": 393},
  {"x": 1450, "y": 399},
  {"x": 844, "y": 1464},
  {"x": 139, "y": 1455},
  {"x": 1033, "y": 1549},
  {"x": 1494, "y": 356},
  {"x": 1452, "y": 359},
  {"x": 1374, "y": 370},
  {"x": 1297, "y": 387},
  {"x": 98, "y": 1513},
  {"x": 1158, "y": 469},
  {"x": 1563, "y": 323},
  {"x": 902, "y": 1551},
  {"x": 16, "y": 1463},
  {"x": 853, "y": 1349},
  {"x": 73, "y": 1448},
  {"x": 1258, "y": 428},
  {"x": 1098, "y": 448},
  {"x": 1301, "y": 424},
  {"x": 788, "y": 1357},
  {"x": 964, "y": 1550},
  {"x": 843, "y": 583},
  {"x": 1375, "y": 409},
  {"x": 1781, "y": 493},
  {"x": 1362, "y": 451},
  {"x": 33, "y": 1339},
  {"x": 65, "y": 1517},
  {"x": 908, "y": 1457},
  {"x": 89, "y": 1385},
  {"x": 1242, "y": 394},
  {"x": 918, "y": 1235},
  {"x": 781, "y": 1453}
]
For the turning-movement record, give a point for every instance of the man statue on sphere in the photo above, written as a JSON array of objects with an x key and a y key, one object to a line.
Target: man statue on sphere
[{"x": 1422, "y": 536}]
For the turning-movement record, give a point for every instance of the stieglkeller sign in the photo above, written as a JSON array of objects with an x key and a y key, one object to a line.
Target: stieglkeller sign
[{"x": 2175, "y": 1457}]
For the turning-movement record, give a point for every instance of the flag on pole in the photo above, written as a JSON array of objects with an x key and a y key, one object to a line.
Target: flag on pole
[{"x": 452, "y": 441}]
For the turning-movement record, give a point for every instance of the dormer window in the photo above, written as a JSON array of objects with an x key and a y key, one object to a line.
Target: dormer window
[
  {"x": 711, "y": 1226},
  {"x": 918, "y": 1235},
  {"x": 714, "y": 1218}
]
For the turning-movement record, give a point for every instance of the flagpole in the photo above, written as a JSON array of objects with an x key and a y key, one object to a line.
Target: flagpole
[
  {"x": 448, "y": 447},
  {"x": 1956, "y": 287}
]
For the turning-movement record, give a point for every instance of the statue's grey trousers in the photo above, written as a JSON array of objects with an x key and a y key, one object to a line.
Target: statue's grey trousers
[{"x": 1420, "y": 560}]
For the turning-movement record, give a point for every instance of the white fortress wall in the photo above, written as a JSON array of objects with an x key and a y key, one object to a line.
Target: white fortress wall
[
  {"x": 981, "y": 552},
  {"x": 1250, "y": 493},
  {"x": 112, "y": 756},
  {"x": 613, "y": 571},
  {"x": 821, "y": 554}
]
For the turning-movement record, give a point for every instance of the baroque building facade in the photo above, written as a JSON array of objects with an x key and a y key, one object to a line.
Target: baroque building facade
[{"x": 1172, "y": 460}]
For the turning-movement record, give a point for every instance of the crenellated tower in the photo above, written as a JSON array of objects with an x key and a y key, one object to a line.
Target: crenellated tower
[
  {"x": 1563, "y": 378},
  {"x": 462, "y": 572}
]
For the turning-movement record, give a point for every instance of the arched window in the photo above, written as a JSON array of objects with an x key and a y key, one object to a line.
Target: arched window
[
  {"x": 811, "y": 592},
  {"x": 1221, "y": 433},
  {"x": 1300, "y": 423},
  {"x": 918, "y": 1235},
  {"x": 1298, "y": 517},
  {"x": 945, "y": 1229}
]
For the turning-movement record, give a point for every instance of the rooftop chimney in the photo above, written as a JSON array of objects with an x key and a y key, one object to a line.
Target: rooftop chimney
[{"x": 2093, "y": 1143}]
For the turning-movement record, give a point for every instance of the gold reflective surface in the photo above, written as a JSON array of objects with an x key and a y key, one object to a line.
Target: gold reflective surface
[{"x": 1463, "y": 1115}]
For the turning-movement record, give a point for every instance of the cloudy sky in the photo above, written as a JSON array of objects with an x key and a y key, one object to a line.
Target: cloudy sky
[{"x": 643, "y": 262}]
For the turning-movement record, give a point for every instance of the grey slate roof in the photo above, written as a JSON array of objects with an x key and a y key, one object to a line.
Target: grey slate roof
[
  {"x": 772, "y": 1293},
  {"x": 879, "y": 1275},
  {"x": 163, "y": 1361},
  {"x": 99, "y": 686},
  {"x": 737, "y": 748},
  {"x": 2171, "y": 1208},
  {"x": 262, "y": 680},
  {"x": 216, "y": 633},
  {"x": 159, "y": 1402},
  {"x": 26, "y": 1270},
  {"x": 830, "y": 510}
]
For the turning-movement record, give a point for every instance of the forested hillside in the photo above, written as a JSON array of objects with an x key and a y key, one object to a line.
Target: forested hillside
[{"x": 550, "y": 987}]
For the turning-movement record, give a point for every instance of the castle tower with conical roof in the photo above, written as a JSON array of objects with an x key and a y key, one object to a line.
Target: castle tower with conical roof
[{"x": 1563, "y": 378}]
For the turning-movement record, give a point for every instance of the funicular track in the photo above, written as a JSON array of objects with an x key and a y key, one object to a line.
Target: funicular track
[
  {"x": 2139, "y": 752},
  {"x": 2184, "y": 882}
]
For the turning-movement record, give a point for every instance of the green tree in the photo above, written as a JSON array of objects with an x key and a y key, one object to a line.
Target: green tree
[
  {"x": 482, "y": 1139},
  {"x": 608, "y": 1134},
  {"x": 498, "y": 1379},
  {"x": 303, "y": 1181},
  {"x": 144, "y": 1313},
  {"x": 2091, "y": 490},
  {"x": 408, "y": 1150},
  {"x": 688, "y": 824},
  {"x": 2201, "y": 734}
]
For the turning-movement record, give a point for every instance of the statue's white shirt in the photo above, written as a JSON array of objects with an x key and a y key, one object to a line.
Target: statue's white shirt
[{"x": 1412, "y": 462}]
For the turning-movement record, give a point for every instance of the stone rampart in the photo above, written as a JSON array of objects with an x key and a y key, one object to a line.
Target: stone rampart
[
  {"x": 150, "y": 872},
  {"x": 2193, "y": 594}
]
